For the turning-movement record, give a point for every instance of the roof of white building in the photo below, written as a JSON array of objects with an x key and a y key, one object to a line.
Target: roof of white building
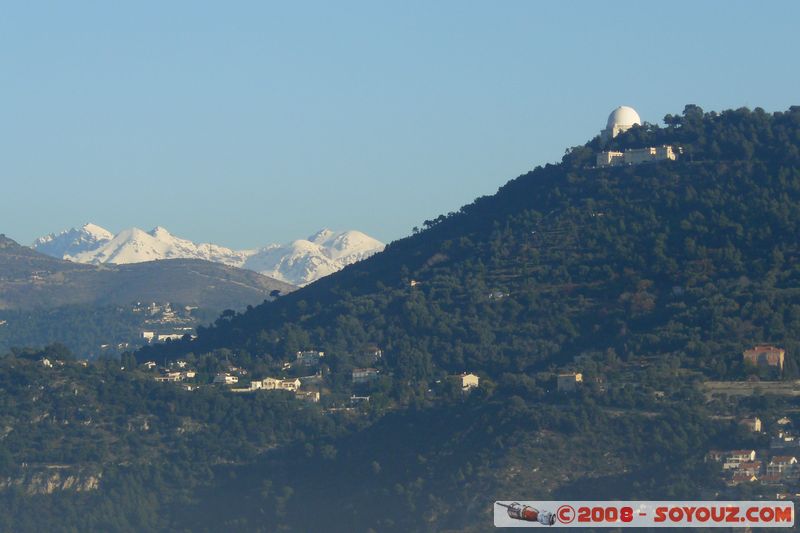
[{"x": 623, "y": 116}]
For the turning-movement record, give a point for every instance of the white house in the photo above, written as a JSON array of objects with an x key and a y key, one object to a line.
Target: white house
[
  {"x": 467, "y": 381},
  {"x": 364, "y": 375},
  {"x": 307, "y": 396},
  {"x": 782, "y": 465},
  {"x": 636, "y": 156},
  {"x": 568, "y": 381},
  {"x": 280, "y": 384},
  {"x": 226, "y": 378},
  {"x": 170, "y": 337},
  {"x": 171, "y": 376},
  {"x": 373, "y": 352},
  {"x": 309, "y": 357},
  {"x": 736, "y": 457}
]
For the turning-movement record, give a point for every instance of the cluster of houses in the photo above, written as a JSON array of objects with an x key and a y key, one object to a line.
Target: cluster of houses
[
  {"x": 776, "y": 466},
  {"x": 47, "y": 363},
  {"x": 173, "y": 373},
  {"x": 165, "y": 322},
  {"x": 304, "y": 360},
  {"x": 373, "y": 354},
  {"x": 270, "y": 384},
  {"x": 308, "y": 358},
  {"x": 745, "y": 466},
  {"x": 152, "y": 336},
  {"x": 784, "y": 436}
]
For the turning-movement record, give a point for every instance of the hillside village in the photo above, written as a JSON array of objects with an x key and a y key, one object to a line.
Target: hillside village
[
  {"x": 768, "y": 470},
  {"x": 297, "y": 380},
  {"x": 774, "y": 469},
  {"x": 774, "y": 465},
  {"x": 156, "y": 322}
]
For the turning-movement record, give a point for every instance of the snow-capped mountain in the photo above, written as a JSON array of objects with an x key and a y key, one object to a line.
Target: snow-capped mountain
[
  {"x": 307, "y": 260},
  {"x": 73, "y": 241},
  {"x": 299, "y": 262},
  {"x": 136, "y": 246}
]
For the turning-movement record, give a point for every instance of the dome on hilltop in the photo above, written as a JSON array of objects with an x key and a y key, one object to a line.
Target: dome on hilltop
[
  {"x": 623, "y": 116},
  {"x": 620, "y": 120}
]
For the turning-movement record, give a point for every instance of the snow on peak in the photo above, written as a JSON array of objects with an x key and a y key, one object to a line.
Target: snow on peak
[
  {"x": 299, "y": 262},
  {"x": 160, "y": 232},
  {"x": 72, "y": 241},
  {"x": 304, "y": 261},
  {"x": 321, "y": 236},
  {"x": 97, "y": 231},
  {"x": 135, "y": 246},
  {"x": 351, "y": 246},
  {"x": 302, "y": 245}
]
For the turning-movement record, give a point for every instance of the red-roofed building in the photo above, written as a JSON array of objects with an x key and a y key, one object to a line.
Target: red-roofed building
[
  {"x": 736, "y": 457},
  {"x": 765, "y": 355},
  {"x": 739, "y": 478},
  {"x": 782, "y": 465},
  {"x": 750, "y": 467}
]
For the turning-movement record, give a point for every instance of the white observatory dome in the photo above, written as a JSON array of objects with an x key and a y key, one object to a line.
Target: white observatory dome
[{"x": 623, "y": 118}]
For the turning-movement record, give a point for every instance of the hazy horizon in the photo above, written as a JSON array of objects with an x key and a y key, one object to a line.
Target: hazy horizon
[{"x": 116, "y": 231}]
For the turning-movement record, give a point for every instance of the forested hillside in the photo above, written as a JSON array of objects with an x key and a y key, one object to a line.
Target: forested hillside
[
  {"x": 690, "y": 260},
  {"x": 649, "y": 280}
]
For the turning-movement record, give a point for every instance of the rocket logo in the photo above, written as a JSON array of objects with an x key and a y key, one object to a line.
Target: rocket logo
[{"x": 527, "y": 513}]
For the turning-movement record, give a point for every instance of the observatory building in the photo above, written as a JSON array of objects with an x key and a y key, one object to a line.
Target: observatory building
[{"x": 621, "y": 119}]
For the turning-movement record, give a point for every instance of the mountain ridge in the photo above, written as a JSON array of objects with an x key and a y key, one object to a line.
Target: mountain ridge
[
  {"x": 31, "y": 280},
  {"x": 299, "y": 262}
]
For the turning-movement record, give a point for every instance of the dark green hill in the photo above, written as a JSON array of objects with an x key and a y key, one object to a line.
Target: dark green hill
[
  {"x": 692, "y": 259},
  {"x": 648, "y": 279},
  {"x": 30, "y": 280}
]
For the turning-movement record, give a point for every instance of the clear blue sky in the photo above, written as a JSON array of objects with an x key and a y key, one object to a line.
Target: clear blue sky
[{"x": 243, "y": 123}]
